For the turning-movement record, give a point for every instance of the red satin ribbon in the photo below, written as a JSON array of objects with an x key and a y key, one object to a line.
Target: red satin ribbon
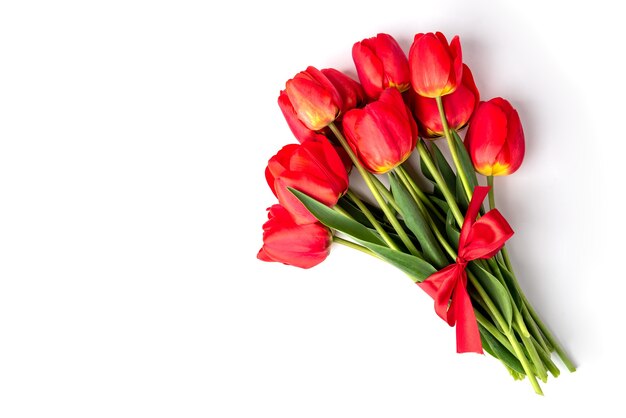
[{"x": 481, "y": 238}]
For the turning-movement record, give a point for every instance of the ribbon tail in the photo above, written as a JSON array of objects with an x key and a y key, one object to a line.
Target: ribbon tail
[
  {"x": 440, "y": 286},
  {"x": 467, "y": 333}
]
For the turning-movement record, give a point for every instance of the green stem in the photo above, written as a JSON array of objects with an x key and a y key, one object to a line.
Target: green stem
[
  {"x": 493, "y": 267},
  {"x": 545, "y": 357},
  {"x": 492, "y": 199},
  {"x": 528, "y": 325},
  {"x": 534, "y": 329},
  {"x": 493, "y": 330},
  {"x": 367, "y": 177},
  {"x": 354, "y": 245},
  {"x": 508, "y": 332},
  {"x": 453, "y": 150},
  {"x": 507, "y": 260},
  {"x": 341, "y": 210},
  {"x": 403, "y": 176},
  {"x": 386, "y": 193},
  {"x": 370, "y": 217},
  {"x": 521, "y": 329},
  {"x": 425, "y": 156},
  {"x": 411, "y": 185}
]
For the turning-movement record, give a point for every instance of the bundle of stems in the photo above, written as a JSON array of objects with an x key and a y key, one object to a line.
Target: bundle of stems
[{"x": 417, "y": 231}]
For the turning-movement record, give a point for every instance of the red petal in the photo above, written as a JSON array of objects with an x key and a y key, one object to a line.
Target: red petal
[
  {"x": 430, "y": 64},
  {"x": 298, "y": 212},
  {"x": 460, "y": 105},
  {"x": 383, "y": 136},
  {"x": 318, "y": 76},
  {"x": 486, "y": 136},
  {"x": 394, "y": 61},
  {"x": 351, "y": 92},
  {"x": 319, "y": 159},
  {"x": 369, "y": 68},
  {"x": 263, "y": 256},
  {"x": 314, "y": 104},
  {"x": 457, "y": 63},
  {"x": 299, "y": 129},
  {"x": 512, "y": 153},
  {"x": 301, "y": 246}
]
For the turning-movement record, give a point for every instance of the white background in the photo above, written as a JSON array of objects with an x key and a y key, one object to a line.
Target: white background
[{"x": 133, "y": 139}]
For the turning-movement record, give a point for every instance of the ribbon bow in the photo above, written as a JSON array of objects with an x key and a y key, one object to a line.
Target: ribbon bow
[{"x": 481, "y": 238}]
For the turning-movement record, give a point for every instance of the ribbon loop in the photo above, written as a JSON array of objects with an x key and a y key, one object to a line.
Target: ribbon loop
[{"x": 481, "y": 238}]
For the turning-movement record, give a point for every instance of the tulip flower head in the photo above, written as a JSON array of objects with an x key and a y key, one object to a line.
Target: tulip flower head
[
  {"x": 495, "y": 138},
  {"x": 313, "y": 167},
  {"x": 458, "y": 107},
  {"x": 299, "y": 129},
  {"x": 286, "y": 242},
  {"x": 314, "y": 98},
  {"x": 436, "y": 66},
  {"x": 351, "y": 92},
  {"x": 383, "y": 134},
  {"x": 381, "y": 63}
]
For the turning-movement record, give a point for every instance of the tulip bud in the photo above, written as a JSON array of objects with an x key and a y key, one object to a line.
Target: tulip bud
[
  {"x": 381, "y": 63},
  {"x": 495, "y": 138},
  {"x": 458, "y": 107},
  {"x": 383, "y": 134},
  {"x": 436, "y": 67},
  {"x": 350, "y": 91},
  {"x": 314, "y": 168},
  {"x": 299, "y": 129},
  {"x": 286, "y": 242},
  {"x": 314, "y": 98}
]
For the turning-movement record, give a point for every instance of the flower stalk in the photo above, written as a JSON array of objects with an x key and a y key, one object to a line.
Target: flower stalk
[{"x": 367, "y": 177}]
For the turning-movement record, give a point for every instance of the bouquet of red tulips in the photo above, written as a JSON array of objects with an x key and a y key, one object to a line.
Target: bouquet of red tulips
[{"x": 442, "y": 236}]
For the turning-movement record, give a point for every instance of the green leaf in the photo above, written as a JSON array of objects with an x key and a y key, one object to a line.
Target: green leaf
[
  {"x": 440, "y": 202},
  {"x": 460, "y": 195},
  {"x": 428, "y": 175},
  {"x": 416, "y": 268},
  {"x": 337, "y": 221},
  {"x": 496, "y": 349},
  {"x": 466, "y": 161},
  {"x": 416, "y": 222},
  {"x": 451, "y": 230},
  {"x": 425, "y": 171},
  {"x": 348, "y": 205},
  {"x": 444, "y": 167},
  {"x": 496, "y": 291},
  {"x": 509, "y": 280}
]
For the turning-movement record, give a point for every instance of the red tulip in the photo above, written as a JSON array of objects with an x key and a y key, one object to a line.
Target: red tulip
[
  {"x": 458, "y": 106},
  {"x": 495, "y": 138},
  {"x": 383, "y": 134},
  {"x": 313, "y": 167},
  {"x": 436, "y": 67},
  {"x": 381, "y": 63},
  {"x": 314, "y": 98},
  {"x": 299, "y": 129},
  {"x": 350, "y": 91},
  {"x": 287, "y": 242}
]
